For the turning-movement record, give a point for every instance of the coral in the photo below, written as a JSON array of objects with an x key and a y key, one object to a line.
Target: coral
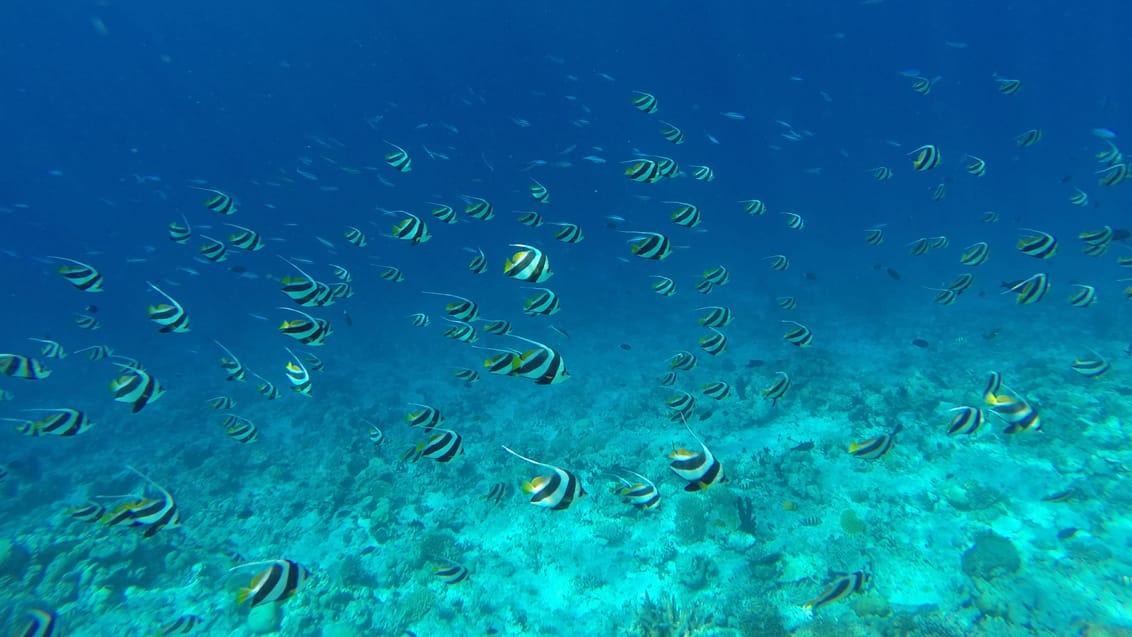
[
  {"x": 665, "y": 618},
  {"x": 851, "y": 522},
  {"x": 972, "y": 496},
  {"x": 746, "y": 506},
  {"x": 991, "y": 556},
  {"x": 691, "y": 519}
]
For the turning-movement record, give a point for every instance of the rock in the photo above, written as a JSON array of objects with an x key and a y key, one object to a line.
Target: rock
[
  {"x": 341, "y": 629},
  {"x": 13, "y": 560},
  {"x": 265, "y": 619},
  {"x": 991, "y": 556}
]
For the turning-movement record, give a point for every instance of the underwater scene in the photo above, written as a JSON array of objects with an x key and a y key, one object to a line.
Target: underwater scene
[{"x": 656, "y": 319}]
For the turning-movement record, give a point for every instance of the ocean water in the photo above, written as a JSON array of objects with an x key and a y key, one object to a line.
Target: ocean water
[{"x": 843, "y": 507}]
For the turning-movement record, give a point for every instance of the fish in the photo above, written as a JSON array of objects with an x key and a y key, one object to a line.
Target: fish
[
  {"x": 180, "y": 233},
  {"x": 411, "y": 229},
  {"x": 799, "y": 335},
  {"x": 451, "y": 573},
  {"x": 267, "y": 388},
  {"x": 786, "y": 302},
  {"x": 245, "y": 239},
  {"x": 50, "y": 349},
  {"x": 170, "y": 316},
  {"x": 443, "y": 212},
  {"x": 993, "y": 384},
  {"x": 754, "y": 207},
  {"x": 921, "y": 85},
  {"x": 777, "y": 389},
  {"x": 1031, "y": 290},
  {"x": 441, "y": 447},
  {"x": 686, "y": 215},
  {"x": 716, "y": 390},
  {"x": 82, "y": 276},
  {"x": 221, "y": 403},
  {"x": 926, "y": 158},
  {"x": 1008, "y": 86},
  {"x": 220, "y": 202},
  {"x": 556, "y": 491},
  {"x": 376, "y": 436},
  {"x": 671, "y": 133},
  {"x": 794, "y": 221},
  {"x": 704, "y": 287},
  {"x": 96, "y": 352},
  {"x": 355, "y": 236},
  {"x": 87, "y": 322},
  {"x": 713, "y": 343},
  {"x": 307, "y": 330},
  {"x": 240, "y": 429},
  {"x": 778, "y": 262},
  {"x": 61, "y": 422},
  {"x": 529, "y": 264},
  {"x": 842, "y": 587},
  {"x": 682, "y": 361},
  {"x": 700, "y": 469},
  {"x": 643, "y": 494},
  {"x": 500, "y": 327},
  {"x": 1029, "y": 138},
  {"x": 464, "y": 309},
  {"x": 568, "y": 232},
  {"x": 967, "y": 421},
  {"x": 990, "y": 216},
  {"x": 1040, "y": 245},
  {"x": 231, "y": 365},
  {"x": 181, "y": 626},
  {"x": 1113, "y": 175},
  {"x": 342, "y": 273},
  {"x": 718, "y": 316},
  {"x": 478, "y": 264},
  {"x": 1091, "y": 367},
  {"x": 976, "y": 166},
  {"x": 545, "y": 303},
  {"x": 653, "y": 246},
  {"x": 1018, "y": 414},
  {"x": 1079, "y": 198},
  {"x": 40, "y": 623},
  {"x": 282, "y": 579},
  {"x": 975, "y": 254},
  {"x": 881, "y": 173},
  {"x": 213, "y": 250},
  {"x": 88, "y": 512},
  {"x": 643, "y": 171},
  {"x": 717, "y": 275},
  {"x": 466, "y": 374},
  {"x": 135, "y": 388},
  {"x": 153, "y": 514},
  {"x": 530, "y": 218},
  {"x": 681, "y": 406},
  {"x": 664, "y": 285},
  {"x": 703, "y": 173},
  {"x": 427, "y": 417},
  {"x": 644, "y": 102},
  {"x": 479, "y": 208},
  {"x": 390, "y": 273},
  {"x": 962, "y": 283},
  {"x": 419, "y": 320},
  {"x": 543, "y": 365},
  {"x": 874, "y": 236},
  {"x": 496, "y": 493},
  {"x": 298, "y": 375},
  {"x": 539, "y": 192},
  {"x": 875, "y": 448},
  {"x": 1085, "y": 295},
  {"x": 399, "y": 158}
]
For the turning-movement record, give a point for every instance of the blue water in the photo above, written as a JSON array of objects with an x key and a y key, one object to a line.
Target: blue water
[{"x": 115, "y": 111}]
